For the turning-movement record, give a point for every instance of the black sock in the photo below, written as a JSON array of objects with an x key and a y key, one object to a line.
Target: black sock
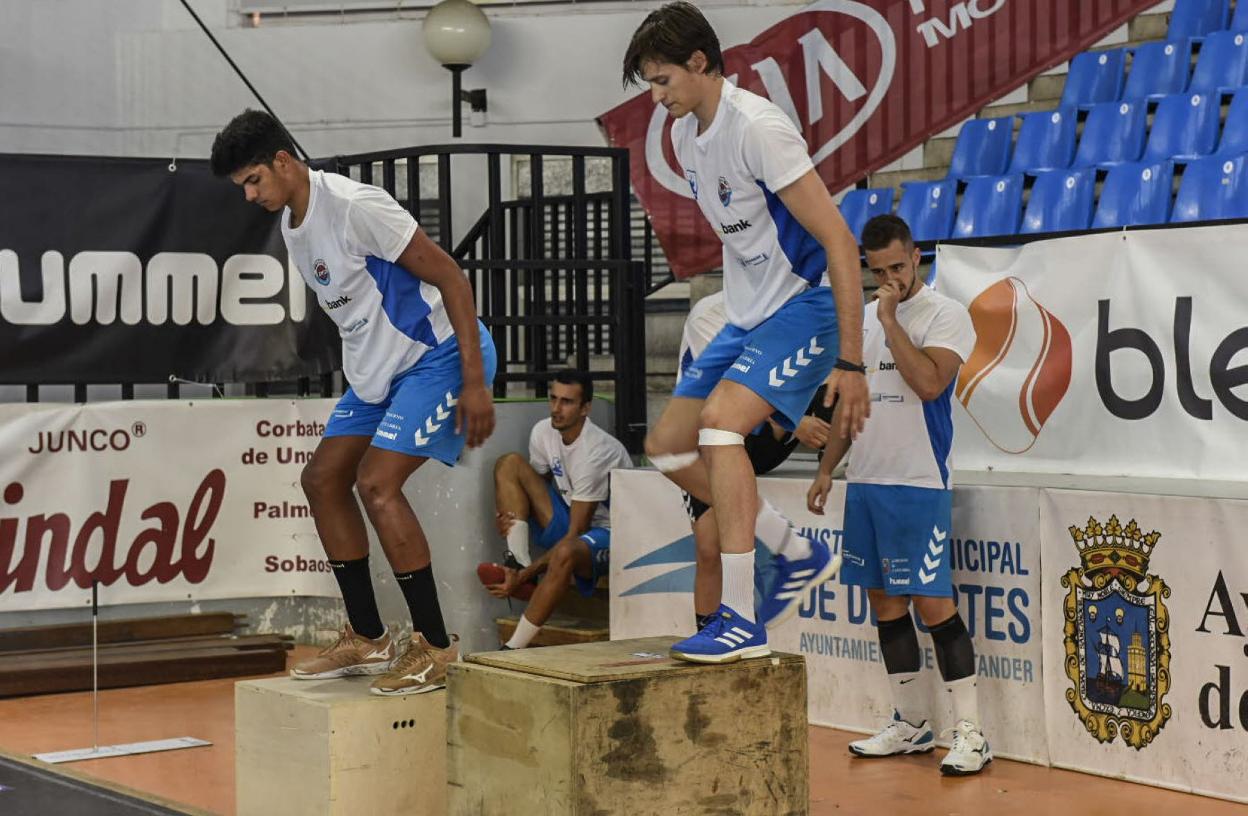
[
  {"x": 955, "y": 654},
  {"x": 899, "y": 645},
  {"x": 703, "y": 620},
  {"x": 356, "y": 584},
  {"x": 421, "y": 594}
]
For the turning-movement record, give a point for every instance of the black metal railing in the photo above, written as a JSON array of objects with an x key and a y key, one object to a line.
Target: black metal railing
[{"x": 553, "y": 275}]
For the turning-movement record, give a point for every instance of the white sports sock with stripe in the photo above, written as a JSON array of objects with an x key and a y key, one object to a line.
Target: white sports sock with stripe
[
  {"x": 777, "y": 533},
  {"x": 738, "y": 592}
]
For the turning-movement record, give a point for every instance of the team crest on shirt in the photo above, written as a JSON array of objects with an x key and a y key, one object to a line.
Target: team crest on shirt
[
  {"x": 725, "y": 191},
  {"x": 320, "y": 271},
  {"x": 556, "y": 467},
  {"x": 692, "y": 178},
  {"x": 1117, "y": 634}
]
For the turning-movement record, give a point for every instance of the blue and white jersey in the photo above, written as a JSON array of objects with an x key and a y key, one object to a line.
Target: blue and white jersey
[
  {"x": 346, "y": 250},
  {"x": 750, "y": 152},
  {"x": 908, "y": 441},
  {"x": 580, "y": 471}
]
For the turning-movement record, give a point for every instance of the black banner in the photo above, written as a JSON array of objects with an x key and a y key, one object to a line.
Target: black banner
[{"x": 127, "y": 271}]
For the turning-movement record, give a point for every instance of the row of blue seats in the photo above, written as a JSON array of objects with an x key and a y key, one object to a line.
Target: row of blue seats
[
  {"x": 1198, "y": 18},
  {"x": 1185, "y": 127},
  {"x": 1210, "y": 189},
  {"x": 1157, "y": 69}
]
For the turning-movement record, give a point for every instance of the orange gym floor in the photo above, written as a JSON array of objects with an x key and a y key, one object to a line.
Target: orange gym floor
[{"x": 202, "y": 779}]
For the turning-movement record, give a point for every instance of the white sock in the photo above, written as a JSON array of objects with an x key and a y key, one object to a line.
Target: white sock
[
  {"x": 518, "y": 542},
  {"x": 965, "y": 699},
  {"x": 908, "y": 697},
  {"x": 524, "y": 634},
  {"x": 738, "y": 591},
  {"x": 777, "y": 533}
]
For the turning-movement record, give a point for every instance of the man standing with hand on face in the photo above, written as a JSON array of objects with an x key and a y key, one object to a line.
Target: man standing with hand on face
[{"x": 898, "y": 501}]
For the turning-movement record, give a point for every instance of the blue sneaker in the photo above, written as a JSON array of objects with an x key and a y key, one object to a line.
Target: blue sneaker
[
  {"x": 792, "y": 579},
  {"x": 726, "y": 638}
]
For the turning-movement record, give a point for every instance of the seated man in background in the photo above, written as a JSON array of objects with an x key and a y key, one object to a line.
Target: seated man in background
[
  {"x": 768, "y": 447},
  {"x": 560, "y": 497}
]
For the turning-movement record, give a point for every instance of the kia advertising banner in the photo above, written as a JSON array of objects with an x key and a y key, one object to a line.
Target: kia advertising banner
[
  {"x": 158, "y": 501},
  {"x": 1146, "y": 638},
  {"x": 1118, "y": 354},
  {"x": 994, "y": 548},
  {"x": 125, "y": 271},
  {"x": 865, "y": 81}
]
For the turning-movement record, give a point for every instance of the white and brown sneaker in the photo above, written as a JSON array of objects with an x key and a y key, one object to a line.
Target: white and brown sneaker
[
  {"x": 419, "y": 669},
  {"x": 350, "y": 655}
]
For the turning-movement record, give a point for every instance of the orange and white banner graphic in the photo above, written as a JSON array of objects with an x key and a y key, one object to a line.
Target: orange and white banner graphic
[
  {"x": 158, "y": 501},
  {"x": 1118, "y": 354}
]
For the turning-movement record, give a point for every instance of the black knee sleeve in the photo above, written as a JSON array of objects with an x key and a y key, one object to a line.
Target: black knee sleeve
[
  {"x": 899, "y": 643},
  {"x": 695, "y": 508},
  {"x": 955, "y": 654}
]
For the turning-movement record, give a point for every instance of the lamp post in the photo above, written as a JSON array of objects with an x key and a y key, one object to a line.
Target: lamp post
[{"x": 457, "y": 33}]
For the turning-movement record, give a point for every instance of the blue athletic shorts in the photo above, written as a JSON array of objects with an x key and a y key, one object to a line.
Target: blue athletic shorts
[
  {"x": 598, "y": 539},
  {"x": 417, "y": 417},
  {"x": 784, "y": 359},
  {"x": 897, "y": 539}
]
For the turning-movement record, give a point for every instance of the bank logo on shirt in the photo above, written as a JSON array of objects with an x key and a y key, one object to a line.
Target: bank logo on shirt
[
  {"x": 692, "y": 178},
  {"x": 1019, "y": 369},
  {"x": 320, "y": 271},
  {"x": 1117, "y": 634},
  {"x": 725, "y": 191}
]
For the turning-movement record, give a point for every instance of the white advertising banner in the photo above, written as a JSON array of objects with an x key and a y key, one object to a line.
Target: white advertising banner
[
  {"x": 994, "y": 547},
  {"x": 158, "y": 501},
  {"x": 1118, "y": 354},
  {"x": 1146, "y": 638}
]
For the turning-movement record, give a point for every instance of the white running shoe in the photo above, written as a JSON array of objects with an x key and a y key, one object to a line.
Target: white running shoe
[
  {"x": 900, "y": 737},
  {"x": 969, "y": 753}
]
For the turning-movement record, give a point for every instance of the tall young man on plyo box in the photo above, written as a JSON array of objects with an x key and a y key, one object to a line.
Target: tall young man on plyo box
[
  {"x": 417, "y": 361},
  {"x": 749, "y": 170},
  {"x": 899, "y": 499}
]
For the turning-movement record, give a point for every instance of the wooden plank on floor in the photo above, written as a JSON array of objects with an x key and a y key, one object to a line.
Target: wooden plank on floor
[
  {"x": 122, "y": 671},
  {"x": 114, "y": 631}
]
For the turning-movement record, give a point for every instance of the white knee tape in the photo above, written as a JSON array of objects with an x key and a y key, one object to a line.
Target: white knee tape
[
  {"x": 672, "y": 462},
  {"x": 714, "y": 436}
]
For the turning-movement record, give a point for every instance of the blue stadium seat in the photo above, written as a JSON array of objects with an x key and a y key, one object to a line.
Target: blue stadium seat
[
  {"x": 1235, "y": 128},
  {"x": 1046, "y": 141},
  {"x": 1095, "y": 76},
  {"x": 991, "y": 205},
  {"x": 1240, "y": 21},
  {"x": 983, "y": 148},
  {"x": 1061, "y": 200},
  {"x": 1212, "y": 189},
  {"x": 1112, "y": 134},
  {"x": 929, "y": 207},
  {"x": 1158, "y": 69},
  {"x": 860, "y": 206},
  {"x": 1185, "y": 127},
  {"x": 1137, "y": 193},
  {"x": 1196, "y": 18},
  {"x": 1223, "y": 63}
]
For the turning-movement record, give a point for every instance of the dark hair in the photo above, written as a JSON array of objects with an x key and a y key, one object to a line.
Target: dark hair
[
  {"x": 571, "y": 376},
  {"x": 882, "y": 230},
  {"x": 671, "y": 34},
  {"x": 252, "y": 137}
]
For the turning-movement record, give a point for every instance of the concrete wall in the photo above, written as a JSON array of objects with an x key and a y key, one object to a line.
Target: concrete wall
[{"x": 456, "y": 509}]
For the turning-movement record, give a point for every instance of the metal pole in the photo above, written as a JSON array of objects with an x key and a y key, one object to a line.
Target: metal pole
[
  {"x": 456, "y": 99},
  {"x": 95, "y": 666}
]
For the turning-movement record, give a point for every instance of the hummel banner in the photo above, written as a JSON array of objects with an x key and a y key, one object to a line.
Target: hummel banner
[
  {"x": 865, "y": 81},
  {"x": 128, "y": 271}
]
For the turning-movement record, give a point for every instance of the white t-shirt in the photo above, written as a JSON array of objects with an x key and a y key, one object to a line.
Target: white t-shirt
[
  {"x": 706, "y": 319},
  {"x": 908, "y": 441},
  {"x": 346, "y": 249},
  {"x": 581, "y": 470},
  {"x": 750, "y": 152}
]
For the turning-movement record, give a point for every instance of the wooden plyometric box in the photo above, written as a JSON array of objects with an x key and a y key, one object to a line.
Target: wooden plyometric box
[
  {"x": 618, "y": 727},
  {"x": 330, "y": 748}
]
